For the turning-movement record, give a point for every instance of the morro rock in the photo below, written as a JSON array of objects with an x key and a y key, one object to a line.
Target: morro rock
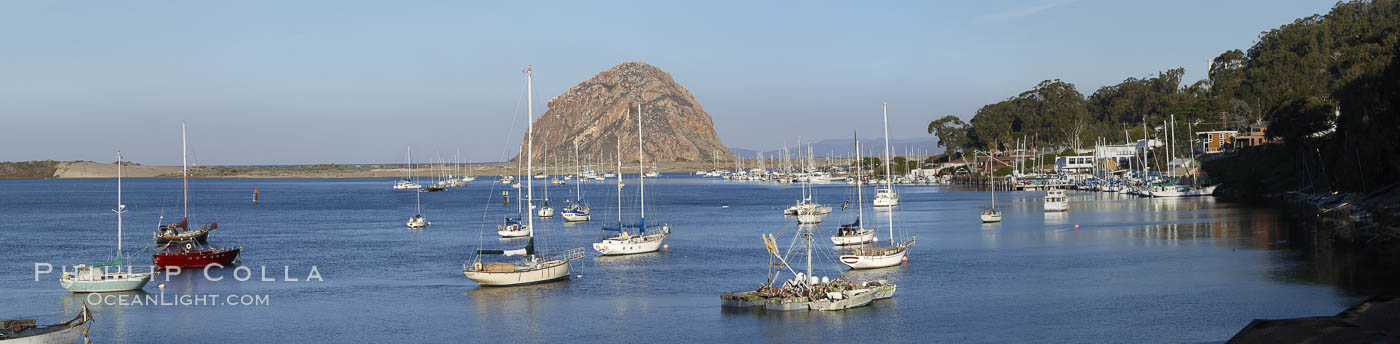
[{"x": 599, "y": 111}]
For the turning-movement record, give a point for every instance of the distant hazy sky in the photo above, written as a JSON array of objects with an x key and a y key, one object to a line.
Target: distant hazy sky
[{"x": 282, "y": 82}]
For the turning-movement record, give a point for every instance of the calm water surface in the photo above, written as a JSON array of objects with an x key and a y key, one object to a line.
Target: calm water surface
[{"x": 1136, "y": 270}]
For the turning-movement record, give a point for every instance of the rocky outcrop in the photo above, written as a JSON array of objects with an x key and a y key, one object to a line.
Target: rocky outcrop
[{"x": 599, "y": 111}]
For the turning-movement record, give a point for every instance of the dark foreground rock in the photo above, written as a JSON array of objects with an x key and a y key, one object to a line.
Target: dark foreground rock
[{"x": 1376, "y": 320}]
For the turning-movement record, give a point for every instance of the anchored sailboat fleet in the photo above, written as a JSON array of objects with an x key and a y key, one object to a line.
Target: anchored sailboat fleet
[
  {"x": 531, "y": 267},
  {"x": 646, "y": 239}
]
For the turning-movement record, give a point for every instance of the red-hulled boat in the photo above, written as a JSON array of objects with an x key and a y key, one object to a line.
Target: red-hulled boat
[{"x": 191, "y": 256}]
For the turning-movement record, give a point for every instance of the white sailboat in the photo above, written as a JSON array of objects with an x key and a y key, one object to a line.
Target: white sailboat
[
  {"x": 991, "y": 215},
  {"x": 853, "y": 233},
  {"x": 407, "y": 183},
  {"x": 886, "y": 197},
  {"x": 885, "y": 256},
  {"x": 417, "y": 221},
  {"x": 545, "y": 210},
  {"x": 576, "y": 211},
  {"x": 95, "y": 278},
  {"x": 646, "y": 239},
  {"x": 531, "y": 268}
]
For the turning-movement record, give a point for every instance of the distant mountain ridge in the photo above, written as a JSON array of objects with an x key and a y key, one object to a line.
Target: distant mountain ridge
[{"x": 846, "y": 147}]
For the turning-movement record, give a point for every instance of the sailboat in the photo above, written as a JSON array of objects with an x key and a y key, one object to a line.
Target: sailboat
[
  {"x": 576, "y": 211},
  {"x": 95, "y": 278},
  {"x": 546, "y": 210},
  {"x": 991, "y": 215},
  {"x": 885, "y": 256},
  {"x": 531, "y": 268},
  {"x": 646, "y": 239},
  {"x": 191, "y": 252},
  {"x": 805, "y": 291},
  {"x": 806, "y": 210},
  {"x": 886, "y": 197},
  {"x": 852, "y": 233},
  {"x": 407, "y": 182},
  {"x": 417, "y": 221}
]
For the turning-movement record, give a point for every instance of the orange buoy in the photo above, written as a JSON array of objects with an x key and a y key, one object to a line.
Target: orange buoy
[
  {"x": 1076, "y": 226},
  {"x": 666, "y": 247},
  {"x": 906, "y": 259}
]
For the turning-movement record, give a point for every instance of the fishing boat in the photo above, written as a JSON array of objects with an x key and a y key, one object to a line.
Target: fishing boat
[
  {"x": 180, "y": 231},
  {"x": 531, "y": 267},
  {"x": 852, "y": 233},
  {"x": 189, "y": 252},
  {"x": 27, "y": 332},
  {"x": 634, "y": 238},
  {"x": 886, "y": 197},
  {"x": 805, "y": 291},
  {"x": 1055, "y": 200},
  {"x": 991, "y": 215},
  {"x": 95, "y": 278},
  {"x": 577, "y": 210}
]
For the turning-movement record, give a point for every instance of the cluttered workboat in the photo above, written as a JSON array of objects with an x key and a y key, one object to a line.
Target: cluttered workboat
[{"x": 805, "y": 291}]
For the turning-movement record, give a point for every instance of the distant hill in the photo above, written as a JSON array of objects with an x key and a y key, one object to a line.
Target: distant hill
[
  {"x": 846, "y": 147},
  {"x": 599, "y": 111}
]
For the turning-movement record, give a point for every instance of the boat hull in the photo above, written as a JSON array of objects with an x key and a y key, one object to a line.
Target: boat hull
[
  {"x": 575, "y": 217},
  {"x": 874, "y": 261},
  {"x": 649, "y": 243},
  {"x": 129, "y": 282},
  {"x": 991, "y": 218},
  {"x": 552, "y": 271},
  {"x": 861, "y": 237},
  {"x": 196, "y": 259},
  {"x": 64, "y": 336},
  {"x": 200, "y": 236}
]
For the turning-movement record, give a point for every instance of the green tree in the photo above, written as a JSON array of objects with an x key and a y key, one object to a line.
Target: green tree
[{"x": 951, "y": 132}]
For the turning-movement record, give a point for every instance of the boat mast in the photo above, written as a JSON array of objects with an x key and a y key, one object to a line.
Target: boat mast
[
  {"x": 530, "y": 147},
  {"x": 120, "y": 209},
  {"x": 641, "y": 176},
  {"x": 860, "y": 199},
  {"x": 889, "y": 177},
  {"x": 578, "y": 173},
  {"x": 619, "y": 185},
  {"x": 185, "y": 170}
]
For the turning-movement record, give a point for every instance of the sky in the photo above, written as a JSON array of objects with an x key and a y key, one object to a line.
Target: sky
[{"x": 305, "y": 82}]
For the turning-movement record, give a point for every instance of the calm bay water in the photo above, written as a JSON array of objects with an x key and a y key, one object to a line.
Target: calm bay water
[{"x": 1136, "y": 270}]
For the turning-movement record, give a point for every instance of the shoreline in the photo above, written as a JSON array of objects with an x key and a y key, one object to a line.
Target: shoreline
[{"x": 89, "y": 169}]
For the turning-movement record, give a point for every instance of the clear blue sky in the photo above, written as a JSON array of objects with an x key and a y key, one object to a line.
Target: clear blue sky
[{"x": 350, "y": 82}]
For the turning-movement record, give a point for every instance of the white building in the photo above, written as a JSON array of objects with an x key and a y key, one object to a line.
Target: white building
[{"x": 1074, "y": 164}]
